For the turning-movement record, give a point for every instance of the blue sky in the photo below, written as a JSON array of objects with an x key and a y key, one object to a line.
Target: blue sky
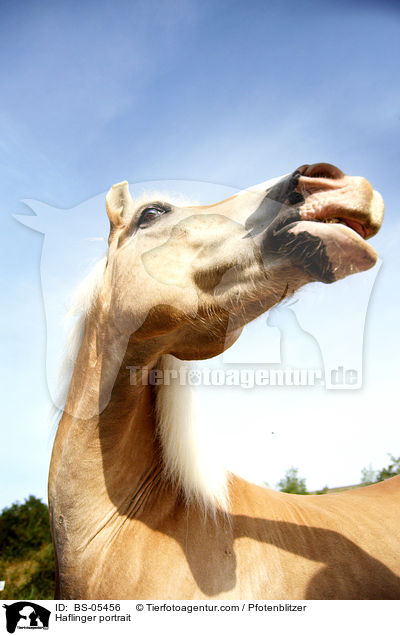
[{"x": 230, "y": 93}]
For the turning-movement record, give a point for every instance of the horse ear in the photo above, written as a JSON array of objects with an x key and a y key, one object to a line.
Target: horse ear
[{"x": 119, "y": 204}]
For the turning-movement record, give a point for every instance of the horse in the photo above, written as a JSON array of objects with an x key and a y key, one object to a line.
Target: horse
[{"x": 140, "y": 508}]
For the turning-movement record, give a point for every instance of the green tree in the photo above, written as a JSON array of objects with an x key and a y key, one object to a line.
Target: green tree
[
  {"x": 292, "y": 483},
  {"x": 26, "y": 551},
  {"x": 391, "y": 471},
  {"x": 370, "y": 476},
  {"x": 323, "y": 491},
  {"x": 24, "y": 528}
]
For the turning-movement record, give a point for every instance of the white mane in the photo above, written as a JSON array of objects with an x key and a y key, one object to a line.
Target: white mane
[{"x": 189, "y": 458}]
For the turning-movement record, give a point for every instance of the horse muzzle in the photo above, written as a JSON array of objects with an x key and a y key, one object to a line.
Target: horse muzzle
[{"x": 322, "y": 222}]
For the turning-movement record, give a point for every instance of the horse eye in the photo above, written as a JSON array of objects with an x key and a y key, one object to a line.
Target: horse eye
[{"x": 150, "y": 214}]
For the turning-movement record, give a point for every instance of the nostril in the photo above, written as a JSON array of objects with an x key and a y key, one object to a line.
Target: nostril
[{"x": 321, "y": 171}]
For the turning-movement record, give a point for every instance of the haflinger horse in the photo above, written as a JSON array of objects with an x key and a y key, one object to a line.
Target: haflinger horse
[{"x": 140, "y": 507}]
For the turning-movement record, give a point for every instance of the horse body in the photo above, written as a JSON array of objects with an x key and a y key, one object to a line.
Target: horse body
[{"x": 137, "y": 509}]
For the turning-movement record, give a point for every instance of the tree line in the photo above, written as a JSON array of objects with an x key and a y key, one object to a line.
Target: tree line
[{"x": 294, "y": 484}]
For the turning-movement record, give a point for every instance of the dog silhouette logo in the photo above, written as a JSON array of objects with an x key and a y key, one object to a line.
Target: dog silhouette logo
[{"x": 26, "y": 615}]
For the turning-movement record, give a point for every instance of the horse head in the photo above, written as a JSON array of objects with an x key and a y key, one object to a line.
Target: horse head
[{"x": 192, "y": 276}]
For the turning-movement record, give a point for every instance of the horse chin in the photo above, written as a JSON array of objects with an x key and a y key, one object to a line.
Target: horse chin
[{"x": 345, "y": 252}]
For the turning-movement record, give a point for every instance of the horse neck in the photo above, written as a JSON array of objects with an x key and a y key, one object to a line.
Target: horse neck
[{"x": 106, "y": 450}]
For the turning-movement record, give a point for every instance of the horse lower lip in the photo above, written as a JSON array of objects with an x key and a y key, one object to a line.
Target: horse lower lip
[{"x": 357, "y": 227}]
